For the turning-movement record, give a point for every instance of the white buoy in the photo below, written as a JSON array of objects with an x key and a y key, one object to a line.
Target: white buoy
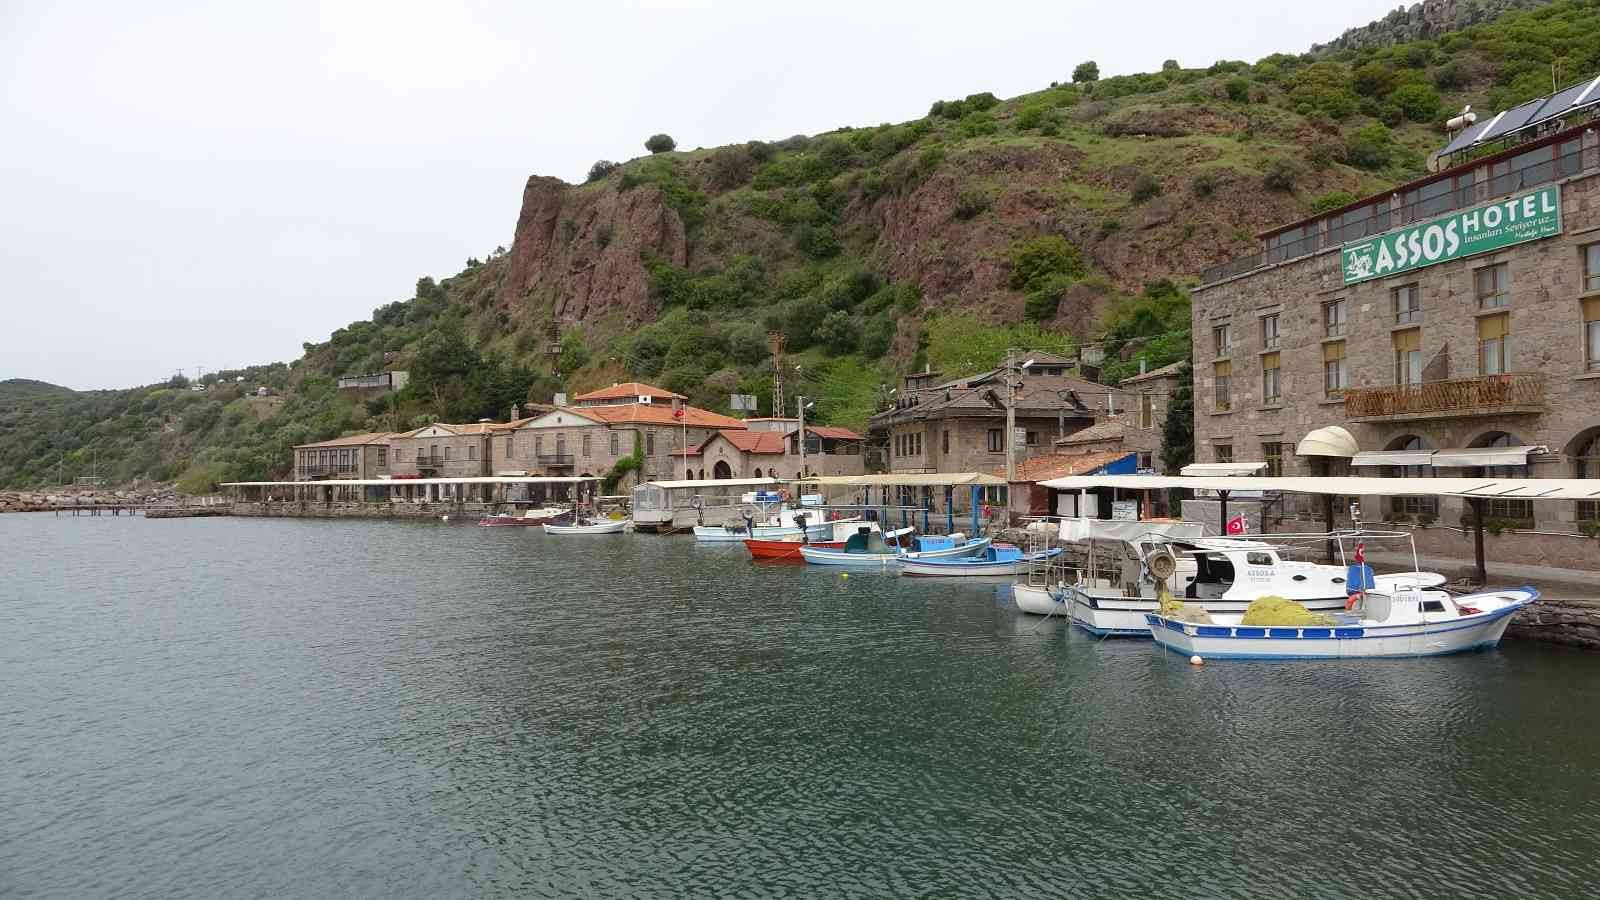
[
  {"x": 1196, "y": 660},
  {"x": 444, "y": 518}
]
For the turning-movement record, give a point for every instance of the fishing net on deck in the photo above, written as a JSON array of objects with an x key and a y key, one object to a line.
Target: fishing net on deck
[
  {"x": 1281, "y": 611},
  {"x": 1179, "y": 611}
]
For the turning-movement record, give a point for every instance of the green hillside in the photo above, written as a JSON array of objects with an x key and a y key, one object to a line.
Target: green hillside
[{"x": 1075, "y": 213}]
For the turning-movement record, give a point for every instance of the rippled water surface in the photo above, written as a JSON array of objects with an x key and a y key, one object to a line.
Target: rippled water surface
[{"x": 229, "y": 708}]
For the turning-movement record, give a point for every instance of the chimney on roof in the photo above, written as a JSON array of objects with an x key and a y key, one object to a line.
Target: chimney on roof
[
  {"x": 484, "y": 421},
  {"x": 516, "y": 412},
  {"x": 1141, "y": 365},
  {"x": 676, "y": 405}
]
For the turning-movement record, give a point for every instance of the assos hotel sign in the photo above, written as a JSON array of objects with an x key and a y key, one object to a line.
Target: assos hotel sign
[{"x": 1526, "y": 217}]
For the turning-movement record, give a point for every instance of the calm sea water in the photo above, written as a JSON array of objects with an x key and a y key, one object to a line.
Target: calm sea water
[{"x": 248, "y": 708}]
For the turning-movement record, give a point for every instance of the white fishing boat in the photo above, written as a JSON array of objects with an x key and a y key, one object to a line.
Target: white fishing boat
[
  {"x": 1223, "y": 575},
  {"x": 868, "y": 549},
  {"x": 997, "y": 559},
  {"x": 1397, "y": 623},
  {"x": 589, "y": 526}
]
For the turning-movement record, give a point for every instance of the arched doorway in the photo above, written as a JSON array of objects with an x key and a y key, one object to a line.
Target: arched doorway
[
  {"x": 721, "y": 470},
  {"x": 1584, "y": 451},
  {"x": 758, "y": 472},
  {"x": 1519, "y": 512},
  {"x": 1423, "y": 508}
]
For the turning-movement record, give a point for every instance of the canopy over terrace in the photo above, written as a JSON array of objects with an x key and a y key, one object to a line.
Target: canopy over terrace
[
  {"x": 433, "y": 488},
  {"x": 911, "y": 493},
  {"x": 1475, "y": 490}
]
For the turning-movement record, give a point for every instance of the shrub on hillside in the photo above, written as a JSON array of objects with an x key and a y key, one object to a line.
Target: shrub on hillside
[
  {"x": 1280, "y": 175},
  {"x": 1144, "y": 188},
  {"x": 878, "y": 336},
  {"x": 982, "y": 101},
  {"x": 1373, "y": 80},
  {"x": 1332, "y": 200},
  {"x": 1238, "y": 90},
  {"x": 971, "y": 202},
  {"x": 660, "y": 143},
  {"x": 1323, "y": 87},
  {"x": 978, "y": 124},
  {"x": 730, "y": 167},
  {"x": 1204, "y": 184},
  {"x": 837, "y": 332},
  {"x": 600, "y": 169},
  {"x": 1030, "y": 116},
  {"x": 1086, "y": 72},
  {"x": 1371, "y": 147},
  {"x": 1419, "y": 102},
  {"x": 1034, "y": 261},
  {"x": 817, "y": 241},
  {"x": 760, "y": 151},
  {"x": 1170, "y": 65}
]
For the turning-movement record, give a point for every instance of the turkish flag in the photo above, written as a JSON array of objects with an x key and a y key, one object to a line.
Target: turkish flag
[
  {"x": 677, "y": 413},
  {"x": 1237, "y": 525}
]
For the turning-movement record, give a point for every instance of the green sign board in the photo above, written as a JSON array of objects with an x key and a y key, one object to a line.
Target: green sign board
[{"x": 1525, "y": 217}]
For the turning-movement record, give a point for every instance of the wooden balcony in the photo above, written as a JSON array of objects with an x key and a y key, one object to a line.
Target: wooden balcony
[{"x": 1487, "y": 395}]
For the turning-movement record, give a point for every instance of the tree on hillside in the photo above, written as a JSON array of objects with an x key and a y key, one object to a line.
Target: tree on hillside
[
  {"x": 660, "y": 143},
  {"x": 1086, "y": 71},
  {"x": 600, "y": 169}
]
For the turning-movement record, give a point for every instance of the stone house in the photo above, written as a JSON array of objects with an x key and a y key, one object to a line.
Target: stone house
[
  {"x": 602, "y": 427},
  {"x": 1452, "y": 362},
  {"x": 353, "y": 456},
  {"x": 763, "y": 452}
]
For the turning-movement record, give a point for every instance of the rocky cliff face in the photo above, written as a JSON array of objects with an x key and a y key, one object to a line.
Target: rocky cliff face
[
  {"x": 581, "y": 250},
  {"x": 1422, "y": 21}
]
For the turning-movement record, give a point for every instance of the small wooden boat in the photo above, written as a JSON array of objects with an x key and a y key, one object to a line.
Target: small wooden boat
[
  {"x": 786, "y": 548},
  {"x": 528, "y": 517},
  {"x": 584, "y": 526},
  {"x": 1396, "y": 624},
  {"x": 868, "y": 549},
  {"x": 998, "y": 559}
]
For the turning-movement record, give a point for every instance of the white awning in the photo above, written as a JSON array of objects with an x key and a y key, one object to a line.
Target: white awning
[
  {"x": 1222, "y": 470},
  {"x": 1521, "y": 488},
  {"x": 1392, "y": 458},
  {"x": 1330, "y": 440},
  {"x": 1485, "y": 456},
  {"x": 714, "y": 482},
  {"x": 909, "y": 479},
  {"x": 398, "y": 482}
]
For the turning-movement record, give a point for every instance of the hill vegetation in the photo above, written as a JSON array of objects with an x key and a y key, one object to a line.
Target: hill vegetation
[{"x": 1078, "y": 212}]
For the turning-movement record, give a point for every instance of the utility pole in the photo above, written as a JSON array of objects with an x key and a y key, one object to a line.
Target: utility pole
[
  {"x": 1011, "y": 416},
  {"x": 800, "y": 402},
  {"x": 776, "y": 337}
]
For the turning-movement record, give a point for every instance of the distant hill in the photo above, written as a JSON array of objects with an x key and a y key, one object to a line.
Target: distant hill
[
  {"x": 1423, "y": 21},
  {"x": 1077, "y": 212},
  {"x": 27, "y": 389}
]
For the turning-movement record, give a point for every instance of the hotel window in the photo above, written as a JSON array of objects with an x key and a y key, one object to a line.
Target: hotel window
[
  {"x": 1223, "y": 453},
  {"x": 538, "y": 445},
  {"x": 509, "y": 445},
  {"x": 1586, "y": 464},
  {"x": 1269, "y": 331},
  {"x": 1224, "y": 374},
  {"x": 1407, "y": 304},
  {"x": 1270, "y": 381},
  {"x": 472, "y": 451},
  {"x": 1591, "y": 268},
  {"x": 586, "y": 443},
  {"x": 383, "y": 456},
  {"x": 613, "y": 442},
  {"x": 1493, "y": 286},
  {"x": 1147, "y": 461},
  {"x": 1335, "y": 370},
  {"x": 1273, "y": 454},
  {"x": 1408, "y": 357},
  {"x": 1494, "y": 344},
  {"x": 650, "y": 443},
  {"x": 1222, "y": 338},
  {"x": 997, "y": 442},
  {"x": 447, "y": 449},
  {"x": 1147, "y": 410},
  {"x": 944, "y": 441},
  {"x": 1591, "y": 332},
  {"x": 916, "y": 444},
  {"x": 1411, "y": 506},
  {"x": 1335, "y": 318}
]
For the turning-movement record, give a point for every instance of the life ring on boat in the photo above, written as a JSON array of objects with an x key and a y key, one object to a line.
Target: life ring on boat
[
  {"x": 988, "y": 511},
  {"x": 1350, "y": 603}
]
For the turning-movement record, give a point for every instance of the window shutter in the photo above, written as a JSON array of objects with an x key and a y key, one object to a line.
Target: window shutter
[
  {"x": 1492, "y": 327},
  {"x": 1333, "y": 351},
  {"x": 1408, "y": 340}
]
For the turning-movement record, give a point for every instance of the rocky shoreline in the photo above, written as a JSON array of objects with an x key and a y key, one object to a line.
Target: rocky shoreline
[{"x": 43, "y": 501}]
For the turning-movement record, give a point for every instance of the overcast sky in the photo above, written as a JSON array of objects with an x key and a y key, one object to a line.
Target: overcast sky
[{"x": 211, "y": 184}]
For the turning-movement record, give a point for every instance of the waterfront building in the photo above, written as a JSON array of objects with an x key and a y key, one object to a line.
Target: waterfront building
[
  {"x": 349, "y": 457},
  {"x": 598, "y": 429},
  {"x": 764, "y": 451},
  {"x": 1451, "y": 325}
]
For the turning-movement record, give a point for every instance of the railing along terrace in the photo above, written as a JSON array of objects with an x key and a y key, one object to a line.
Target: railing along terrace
[
  {"x": 1465, "y": 395},
  {"x": 309, "y": 471},
  {"x": 429, "y": 462},
  {"x": 555, "y": 459},
  {"x": 1386, "y": 218}
]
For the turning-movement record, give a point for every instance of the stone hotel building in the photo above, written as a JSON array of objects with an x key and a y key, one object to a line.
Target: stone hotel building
[{"x": 1451, "y": 325}]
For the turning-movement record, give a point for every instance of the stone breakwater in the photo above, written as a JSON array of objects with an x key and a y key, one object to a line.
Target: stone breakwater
[
  {"x": 37, "y": 501},
  {"x": 1575, "y": 623}
]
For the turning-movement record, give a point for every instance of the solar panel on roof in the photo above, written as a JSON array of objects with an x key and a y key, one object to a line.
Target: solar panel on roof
[
  {"x": 1526, "y": 115},
  {"x": 1512, "y": 119},
  {"x": 1467, "y": 137}
]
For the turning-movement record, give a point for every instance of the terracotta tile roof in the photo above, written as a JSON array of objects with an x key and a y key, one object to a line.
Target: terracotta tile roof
[
  {"x": 652, "y": 414},
  {"x": 352, "y": 440},
  {"x": 832, "y": 433},
  {"x": 757, "y": 441},
  {"x": 1059, "y": 465},
  {"x": 773, "y": 419},
  {"x": 629, "y": 390},
  {"x": 513, "y": 424},
  {"x": 1162, "y": 372},
  {"x": 1108, "y": 430}
]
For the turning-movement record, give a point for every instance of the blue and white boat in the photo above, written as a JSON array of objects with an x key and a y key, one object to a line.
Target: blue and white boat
[
  {"x": 1403, "y": 623},
  {"x": 868, "y": 549},
  {"x": 997, "y": 559}
]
